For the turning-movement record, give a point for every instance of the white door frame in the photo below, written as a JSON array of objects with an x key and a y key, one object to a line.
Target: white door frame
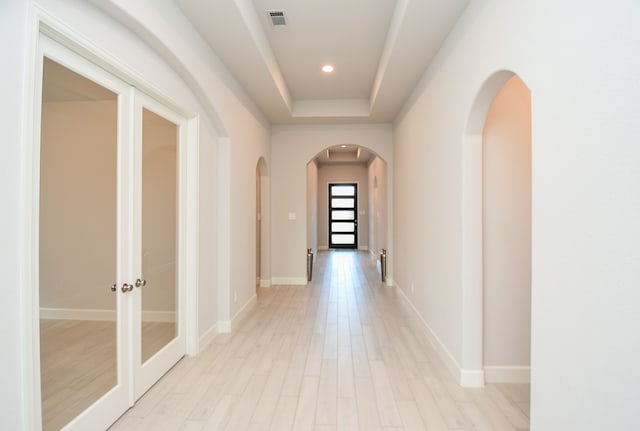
[{"x": 44, "y": 25}]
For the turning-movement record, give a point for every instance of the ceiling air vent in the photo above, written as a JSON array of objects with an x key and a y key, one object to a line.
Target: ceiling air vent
[{"x": 278, "y": 19}]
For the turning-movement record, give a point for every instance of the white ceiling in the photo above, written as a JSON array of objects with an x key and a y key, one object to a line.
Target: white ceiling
[{"x": 379, "y": 48}]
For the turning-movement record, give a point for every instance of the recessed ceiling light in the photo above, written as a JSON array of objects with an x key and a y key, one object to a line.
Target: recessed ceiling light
[
  {"x": 327, "y": 68},
  {"x": 343, "y": 146}
]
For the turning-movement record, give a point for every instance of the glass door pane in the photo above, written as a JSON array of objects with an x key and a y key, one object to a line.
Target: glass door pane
[
  {"x": 159, "y": 233},
  {"x": 77, "y": 244}
]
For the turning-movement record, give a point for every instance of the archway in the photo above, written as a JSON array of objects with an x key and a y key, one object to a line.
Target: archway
[
  {"x": 352, "y": 164},
  {"x": 491, "y": 180}
]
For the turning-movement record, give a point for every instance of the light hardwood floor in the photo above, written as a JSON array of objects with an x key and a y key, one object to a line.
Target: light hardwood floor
[
  {"x": 344, "y": 353},
  {"x": 78, "y": 364}
]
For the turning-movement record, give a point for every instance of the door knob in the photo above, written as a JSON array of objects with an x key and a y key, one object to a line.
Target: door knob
[
  {"x": 141, "y": 282},
  {"x": 114, "y": 288},
  {"x": 127, "y": 287}
]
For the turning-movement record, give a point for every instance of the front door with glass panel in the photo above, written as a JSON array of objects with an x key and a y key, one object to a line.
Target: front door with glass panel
[
  {"x": 109, "y": 289},
  {"x": 343, "y": 215}
]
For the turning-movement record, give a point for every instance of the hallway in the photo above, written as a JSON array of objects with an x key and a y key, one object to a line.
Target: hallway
[{"x": 344, "y": 353}]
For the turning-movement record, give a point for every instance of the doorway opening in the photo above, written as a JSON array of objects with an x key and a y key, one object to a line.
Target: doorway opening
[
  {"x": 362, "y": 222},
  {"x": 506, "y": 223},
  {"x": 497, "y": 234}
]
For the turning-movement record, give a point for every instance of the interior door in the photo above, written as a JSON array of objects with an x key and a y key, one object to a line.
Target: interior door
[
  {"x": 159, "y": 326},
  {"x": 343, "y": 215},
  {"x": 83, "y": 258},
  {"x": 111, "y": 212}
]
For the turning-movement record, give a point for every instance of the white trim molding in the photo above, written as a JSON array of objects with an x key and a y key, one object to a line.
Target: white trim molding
[
  {"x": 289, "y": 281},
  {"x": 208, "y": 336},
  {"x": 472, "y": 378},
  {"x": 265, "y": 283},
  {"x": 226, "y": 326},
  {"x": 244, "y": 311}
]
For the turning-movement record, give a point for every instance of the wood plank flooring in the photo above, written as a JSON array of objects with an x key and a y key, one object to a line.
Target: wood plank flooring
[
  {"x": 78, "y": 366},
  {"x": 344, "y": 353},
  {"x": 78, "y": 363}
]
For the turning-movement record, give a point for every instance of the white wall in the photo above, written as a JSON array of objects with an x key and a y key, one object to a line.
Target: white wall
[
  {"x": 507, "y": 232},
  {"x": 156, "y": 47},
  {"x": 292, "y": 147},
  {"x": 578, "y": 61}
]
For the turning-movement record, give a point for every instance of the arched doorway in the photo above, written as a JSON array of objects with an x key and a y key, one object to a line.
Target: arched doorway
[
  {"x": 355, "y": 165},
  {"x": 497, "y": 234}
]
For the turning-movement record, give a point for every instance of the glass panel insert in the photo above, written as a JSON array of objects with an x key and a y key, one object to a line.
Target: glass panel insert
[
  {"x": 342, "y": 215},
  {"x": 342, "y": 203},
  {"x": 343, "y": 227},
  {"x": 159, "y": 233},
  {"x": 343, "y": 191},
  {"x": 78, "y": 249},
  {"x": 342, "y": 239}
]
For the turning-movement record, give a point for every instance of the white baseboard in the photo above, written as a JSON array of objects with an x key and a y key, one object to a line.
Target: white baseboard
[
  {"x": 472, "y": 378},
  {"x": 244, "y": 311},
  {"x": 508, "y": 374},
  {"x": 101, "y": 315},
  {"x": 224, "y": 326},
  {"x": 265, "y": 283},
  {"x": 208, "y": 336},
  {"x": 466, "y": 378},
  {"x": 289, "y": 281}
]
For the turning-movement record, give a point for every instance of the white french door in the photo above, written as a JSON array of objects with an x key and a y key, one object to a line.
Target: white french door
[
  {"x": 111, "y": 253},
  {"x": 159, "y": 320}
]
